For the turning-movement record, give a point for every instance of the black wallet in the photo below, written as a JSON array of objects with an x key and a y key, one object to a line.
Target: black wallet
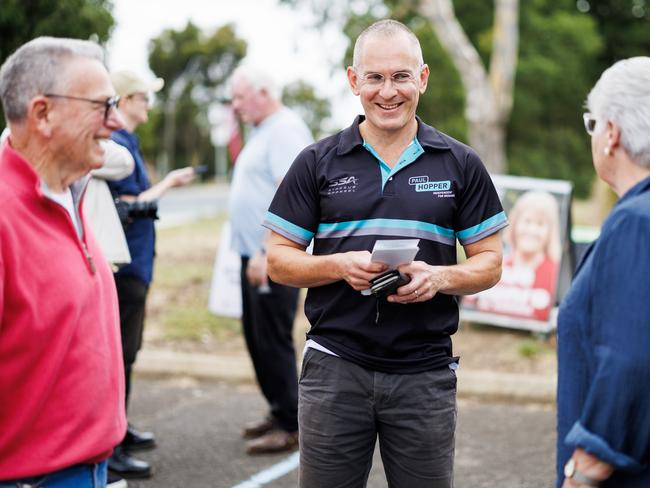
[{"x": 386, "y": 283}]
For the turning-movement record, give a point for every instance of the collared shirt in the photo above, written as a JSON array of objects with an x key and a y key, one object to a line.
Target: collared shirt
[
  {"x": 141, "y": 233},
  {"x": 603, "y": 347},
  {"x": 338, "y": 193},
  {"x": 269, "y": 151}
]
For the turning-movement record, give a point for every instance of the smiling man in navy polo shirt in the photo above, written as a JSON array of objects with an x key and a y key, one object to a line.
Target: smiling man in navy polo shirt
[{"x": 373, "y": 367}]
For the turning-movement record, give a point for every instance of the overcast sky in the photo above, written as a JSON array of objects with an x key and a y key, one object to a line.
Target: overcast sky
[{"x": 280, "y": 39}]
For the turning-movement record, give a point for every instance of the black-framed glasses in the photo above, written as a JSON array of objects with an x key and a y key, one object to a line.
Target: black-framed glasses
[
  {"x": 109, "y": 103},
  {"x": 590, "y": 122}
]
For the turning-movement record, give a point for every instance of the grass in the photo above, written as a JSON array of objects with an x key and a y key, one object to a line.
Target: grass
[{"x": 178, "y": 299}]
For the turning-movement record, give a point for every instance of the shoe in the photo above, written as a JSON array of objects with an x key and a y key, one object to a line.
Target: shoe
[
  {"x": 257, "y": 429},
  {"x": 115, "y": 481},
  {"x": 138, "y": 441},
  {"x": 272, "y": 442},
  {"x": 126, "y": 466}
]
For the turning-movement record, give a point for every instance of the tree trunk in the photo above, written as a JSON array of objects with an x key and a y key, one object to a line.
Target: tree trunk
[{"x": 488, "y": 97}]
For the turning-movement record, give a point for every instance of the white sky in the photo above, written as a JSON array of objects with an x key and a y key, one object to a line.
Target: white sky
[{"x": 280, "y": 40}]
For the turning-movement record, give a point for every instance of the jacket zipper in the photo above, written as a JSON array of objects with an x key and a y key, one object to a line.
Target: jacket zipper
[{"x": 89, "y": 258}]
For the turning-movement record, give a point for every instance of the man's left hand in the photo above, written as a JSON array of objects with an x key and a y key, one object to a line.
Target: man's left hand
[{"x": 426, "y": 281}]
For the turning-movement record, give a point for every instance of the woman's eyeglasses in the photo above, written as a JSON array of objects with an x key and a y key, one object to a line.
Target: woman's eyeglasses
[{"x": 590, "y": 123}]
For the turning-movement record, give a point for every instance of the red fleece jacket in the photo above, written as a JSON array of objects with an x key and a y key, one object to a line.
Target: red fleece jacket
[{"x": 61, "y": 373}]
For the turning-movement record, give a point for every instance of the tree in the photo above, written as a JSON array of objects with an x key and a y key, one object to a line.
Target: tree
[
  {"x": 21, "y": 21},
  {"x": 313, "y": 110},
  {"x": 488, "y": 94},
  {"x": 546, "y": 138},
  {"x": 624, "y": 26},
  {"x": 195, "y": 66},
  {"x": 543, "y": 135}
]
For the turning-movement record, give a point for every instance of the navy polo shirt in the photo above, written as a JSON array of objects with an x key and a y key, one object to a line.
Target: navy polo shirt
[
  {"x": 141, "y": 233},
  {"x": 341, "y": 194}
]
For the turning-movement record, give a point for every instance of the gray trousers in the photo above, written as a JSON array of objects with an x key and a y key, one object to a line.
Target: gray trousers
[{"x": 343, "y": 408}]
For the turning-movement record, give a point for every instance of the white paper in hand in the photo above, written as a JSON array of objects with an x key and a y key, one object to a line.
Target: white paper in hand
[{"x": 395, "y": 252}]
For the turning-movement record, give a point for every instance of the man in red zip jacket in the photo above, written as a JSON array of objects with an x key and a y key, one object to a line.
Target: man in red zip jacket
[{"x": 61, "y": 377}]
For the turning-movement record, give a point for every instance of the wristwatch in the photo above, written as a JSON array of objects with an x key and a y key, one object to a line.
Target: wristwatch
[{"x": 571, "y": 472}]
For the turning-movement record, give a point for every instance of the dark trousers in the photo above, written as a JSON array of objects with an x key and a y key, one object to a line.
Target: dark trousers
[
  {"x": 345, "y": 408},
  {"x": 132, "y": 296},
  {"x": 267, "y": 320}
]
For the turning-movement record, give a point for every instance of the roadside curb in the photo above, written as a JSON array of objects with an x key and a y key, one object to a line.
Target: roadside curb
[{"x": 236, "y": 368}]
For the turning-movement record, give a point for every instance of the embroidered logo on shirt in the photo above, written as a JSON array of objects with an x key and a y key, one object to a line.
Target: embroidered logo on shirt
[
  {"x": 441, "y": 189},
  {"x": 346, "y": 184}
]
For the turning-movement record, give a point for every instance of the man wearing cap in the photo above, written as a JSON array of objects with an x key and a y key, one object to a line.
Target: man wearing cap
[{"x": 133, "y": 280}]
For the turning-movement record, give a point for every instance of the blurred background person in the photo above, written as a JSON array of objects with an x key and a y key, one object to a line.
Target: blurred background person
[
  {"x": 604, "y": 320},
  {"x": 99, "y": 207},
  {"x": 61, "y": 379},
  {"x": 268, "y": 308},
  {"x": 138, "y": 201}
]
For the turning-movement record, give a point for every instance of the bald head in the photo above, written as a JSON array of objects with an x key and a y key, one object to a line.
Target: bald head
[{"x": 387, "y": 28}]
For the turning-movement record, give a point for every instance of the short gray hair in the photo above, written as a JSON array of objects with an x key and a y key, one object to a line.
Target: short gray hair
[
  {"x": 386, "y": 28},
  {"x": 258, "y": 79},
  {"x": 622, "y": 95},
  {"x": 36, "y": 68}
]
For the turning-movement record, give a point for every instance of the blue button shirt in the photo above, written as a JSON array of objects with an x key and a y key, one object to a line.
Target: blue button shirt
[
  {"x": 141, "y": 233},
  {"x": 604, "y": 348}
]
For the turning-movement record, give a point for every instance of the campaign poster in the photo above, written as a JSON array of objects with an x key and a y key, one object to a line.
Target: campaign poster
[{"x": 535, "y": 254}]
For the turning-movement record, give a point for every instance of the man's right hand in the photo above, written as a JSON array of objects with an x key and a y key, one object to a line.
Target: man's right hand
[{"x": 356, "y": 268}]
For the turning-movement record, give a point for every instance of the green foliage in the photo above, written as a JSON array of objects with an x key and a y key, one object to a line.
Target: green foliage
[
  {"x": 312, "y": 109},
  {"x": 195, "y": 67},
  {"x": 623, "y": 24},
  {"x": 545, "y": 134},
  {"x": 530, "y": 348},
  {"x": 22, "y": 20},
  {"x": 545, "y": 137}
]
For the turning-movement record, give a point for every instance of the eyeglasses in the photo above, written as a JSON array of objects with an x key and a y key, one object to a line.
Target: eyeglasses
[
  {"x": 398, "y": 78},
  {"x": 590, "y": 123},
  {"x": 109, "y": 103}
]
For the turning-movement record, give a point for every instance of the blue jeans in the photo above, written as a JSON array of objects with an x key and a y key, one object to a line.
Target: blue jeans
[
  {"x": 78, "y": 476},
  {"x": 344, "y": 408}
]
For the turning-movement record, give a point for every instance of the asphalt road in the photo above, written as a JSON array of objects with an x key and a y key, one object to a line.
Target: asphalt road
[
  {"x": 197, "y": 425},
  {"x": 184, "y": 204}
]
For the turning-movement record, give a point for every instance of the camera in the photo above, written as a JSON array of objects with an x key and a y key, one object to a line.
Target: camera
[{"x": 138, "y": 209}]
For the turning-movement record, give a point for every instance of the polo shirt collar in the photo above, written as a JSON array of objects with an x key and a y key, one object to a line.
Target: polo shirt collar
[{"x": 427, "y": 136}]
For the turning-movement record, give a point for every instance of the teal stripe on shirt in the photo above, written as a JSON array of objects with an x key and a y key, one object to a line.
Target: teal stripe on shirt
[
  {"x": 486, "y": 224},
  {"x": 384, "y": 227},
  {"x": 386, "y": 223},
  {"x": 289, "y": 227}
]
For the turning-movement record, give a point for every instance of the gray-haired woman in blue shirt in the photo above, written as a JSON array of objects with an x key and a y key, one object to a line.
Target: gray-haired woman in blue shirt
[{"x": 604, "y": 321}]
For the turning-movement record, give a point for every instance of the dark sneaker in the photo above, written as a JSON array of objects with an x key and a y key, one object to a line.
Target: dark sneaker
[
  {"x": 138, "y": 441},
  {"x": 126, "y": 466}
]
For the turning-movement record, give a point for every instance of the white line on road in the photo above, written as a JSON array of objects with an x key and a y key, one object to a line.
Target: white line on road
[{"x": 274, "y": 472}]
